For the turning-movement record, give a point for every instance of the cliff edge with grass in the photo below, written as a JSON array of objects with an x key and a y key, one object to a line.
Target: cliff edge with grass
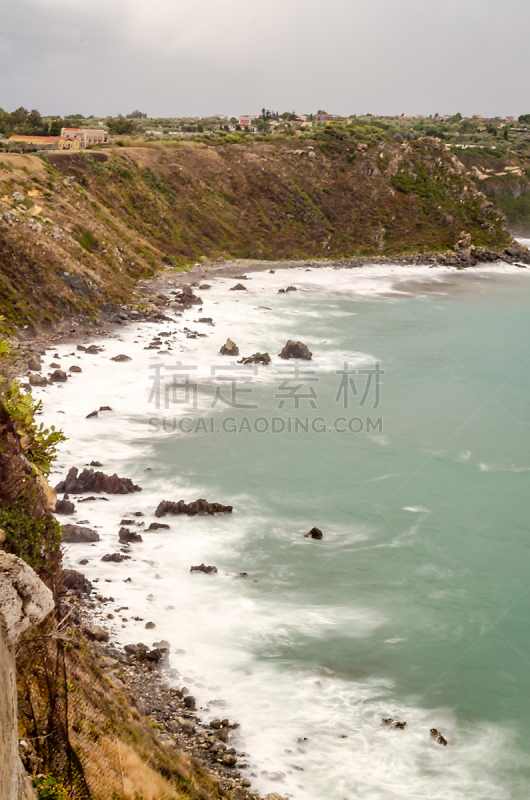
[{"x": 78, "y": 229}]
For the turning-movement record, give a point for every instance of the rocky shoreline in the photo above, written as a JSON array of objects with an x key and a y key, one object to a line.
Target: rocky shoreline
[{"x": 148, "y": 681}]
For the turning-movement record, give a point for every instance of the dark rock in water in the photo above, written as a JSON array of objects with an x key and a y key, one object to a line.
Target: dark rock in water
[
  {"x": 115, "y": 557},
  {"x": 229, "y": 760},
  {"x": 129, "y": 536},
  {"x": 80, "y": 347},
  {"x": 200, "y": 506},
  {"x": 291, "y": 289},
  {"x": 137, "y": 513},
  {"x": 186, "y": 297},
  {"x": 38, "y": 380},
  {"x": 76, "y": 533},
  {"x": 394, "y": 723},
  {"x": 105, "y": 408},
  {"x": 95, "y": 464},
  {"x": 84, "y": 561},
  {"x": 127, "y": 522},
  {"x": 158, "y": 526},
  {"x": 150, "y": 625},
  {"x": 206, "y": 320},
  {"x": 189, "y": 701},
  {"x": 92, "y": 414},
  {"x": 90, "y": 481},
  {"x": 314, "y": 533},
  {"x": 59, "y": 376},
  {"x": 121, "y": 357},
  {"x": 75, "y": 368},
  {"x": 238, "y": 288},
  {"x": 131, "y": 649},
  {"x": 203, "y": 568},
  {"x": 96, "y": 632},
  {"x": 229, "y": 349},
  {"x": 205, "y": 286},
  {"x": 242, "y": 575},
  {"x": 437, "y": 737},
  {"x": 93, "y": 350},
  {"x": 240, "y": 277},
  {"x": 64, "y": 507},
  {"x": 74, "y": 581},
  {"x": 294, "y": 349},
  {"x": 257, "y": 358}
]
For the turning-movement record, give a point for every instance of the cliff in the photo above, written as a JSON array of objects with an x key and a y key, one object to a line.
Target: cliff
[{"x": 77, "y": 230}]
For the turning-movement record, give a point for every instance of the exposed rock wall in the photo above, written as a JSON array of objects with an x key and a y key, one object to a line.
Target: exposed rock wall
[{"x": 24, "y": 602}]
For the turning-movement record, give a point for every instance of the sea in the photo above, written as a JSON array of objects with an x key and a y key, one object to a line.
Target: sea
[{"x": 406, "y": 441}]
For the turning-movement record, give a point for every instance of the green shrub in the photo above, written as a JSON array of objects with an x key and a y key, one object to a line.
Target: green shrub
[
  {"x": 33, "y": 540},
  {"x": 40, "y": 443},
  {"x": 49, "y": 788},
  {"x": 87, "y": 240}
]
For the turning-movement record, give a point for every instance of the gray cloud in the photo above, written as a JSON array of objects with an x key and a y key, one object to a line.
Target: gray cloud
[{"x": 187, "y": 57}]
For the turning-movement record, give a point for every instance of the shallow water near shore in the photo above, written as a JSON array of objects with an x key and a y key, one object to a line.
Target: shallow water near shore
[{"x": 414, "y": 605}]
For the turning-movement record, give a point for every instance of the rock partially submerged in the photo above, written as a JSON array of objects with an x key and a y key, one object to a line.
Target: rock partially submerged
[
  {"x": 229, "y": 349},
  {"x": 205, "y": 569},
  {"x": 125, "y": 535},
  {"x": 186, "y": 298},
  {"x": 437, "y": 737},
  {"x": 390, "y": 722},
  {"x": 64, "y": 506},
  {"x": 90, "y": 481},
  {"x": 73, "y": 534},
  {"x": 257, "y": 358},
  {"x": 294, "y": 349},
  {"x": 117, "y": 558},
  {"x": 59, "y": 376},
  {"x": 314, "y": 533},
  {"x": 238, "y": 288},
  {"x": 121, "y": 357},
  {"x": 158, "y": 526},
  {"x": 197, "y": 507}
]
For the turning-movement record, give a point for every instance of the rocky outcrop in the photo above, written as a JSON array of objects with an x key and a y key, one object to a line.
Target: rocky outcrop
[
  {"x": 257, "y": 358},
  {"x": 205, "y": 569},
  {"x": 314, "y": 533},
  {"x": 77, "y": 533},
  {"x": 200, "y": 506},
  {"x": 74, "y": 581},
  {"x": 294, "y": 349},
  {"x": 64, "y": 506},
  {"x": 90, "y": 481},
  {"x": 238, "y": 288},
  {"x": 230, "y": 348},
  {"x": 186, "y": 298},
  {"x": 24, "y": 602},
  {"x": 125, "y": 535}
]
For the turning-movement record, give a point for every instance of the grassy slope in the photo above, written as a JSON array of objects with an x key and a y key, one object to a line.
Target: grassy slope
[{"x": 80, "y": 247}]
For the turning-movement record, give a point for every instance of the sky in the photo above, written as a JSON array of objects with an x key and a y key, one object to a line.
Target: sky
[{"x": 175, "y": 58}]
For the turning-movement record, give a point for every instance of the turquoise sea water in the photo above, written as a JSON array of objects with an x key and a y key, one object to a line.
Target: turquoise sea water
[{"x": 416, "y": 603}]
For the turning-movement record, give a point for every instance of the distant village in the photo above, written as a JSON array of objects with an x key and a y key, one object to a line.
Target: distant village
[{"x": 28, "y": 131}]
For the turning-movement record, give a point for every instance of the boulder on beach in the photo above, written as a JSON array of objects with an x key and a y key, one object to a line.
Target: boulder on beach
[
  {"x": 74, "y": 581},
  {"x": 205, "y": 569},
  {"x": 90, "y": 481},
  {"x": 75, "y": 534},
  {"x": 229, "y": 349},
  {"x": 186, "y": 298},
  {"x": 121, "y": 357},
  {"x": 75, "y": 368},
  {"x": 238, "y": 288},
  {"x": 197, "y": 507},
  {"x": 257, "y": 358},
  {"x": 294, "y": 349},
  {"x": 205, "y": 286},
  {"x": 38, "y": 380},
  {"x": 125, "y": 535},
  {"x": 314, "y": 533},
  {"x": 96, "y": 632},
  {"x": 34, "y": 364}
]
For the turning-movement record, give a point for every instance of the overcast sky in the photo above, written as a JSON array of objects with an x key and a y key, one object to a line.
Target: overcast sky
[{"x": 201, "y": 57}]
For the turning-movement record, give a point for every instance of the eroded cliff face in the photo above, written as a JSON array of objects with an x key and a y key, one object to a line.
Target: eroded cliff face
[
  {"x": 24, "y": 602},
  {"x": 77, "y": 230}
]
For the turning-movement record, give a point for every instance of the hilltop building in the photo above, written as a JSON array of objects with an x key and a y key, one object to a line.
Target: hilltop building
[
  {"x": 86, "y": 136},
  {"x": 322, "y": 118}
]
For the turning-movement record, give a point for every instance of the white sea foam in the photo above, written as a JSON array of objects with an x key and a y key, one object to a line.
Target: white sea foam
[{"x": 238, "y": 634}]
